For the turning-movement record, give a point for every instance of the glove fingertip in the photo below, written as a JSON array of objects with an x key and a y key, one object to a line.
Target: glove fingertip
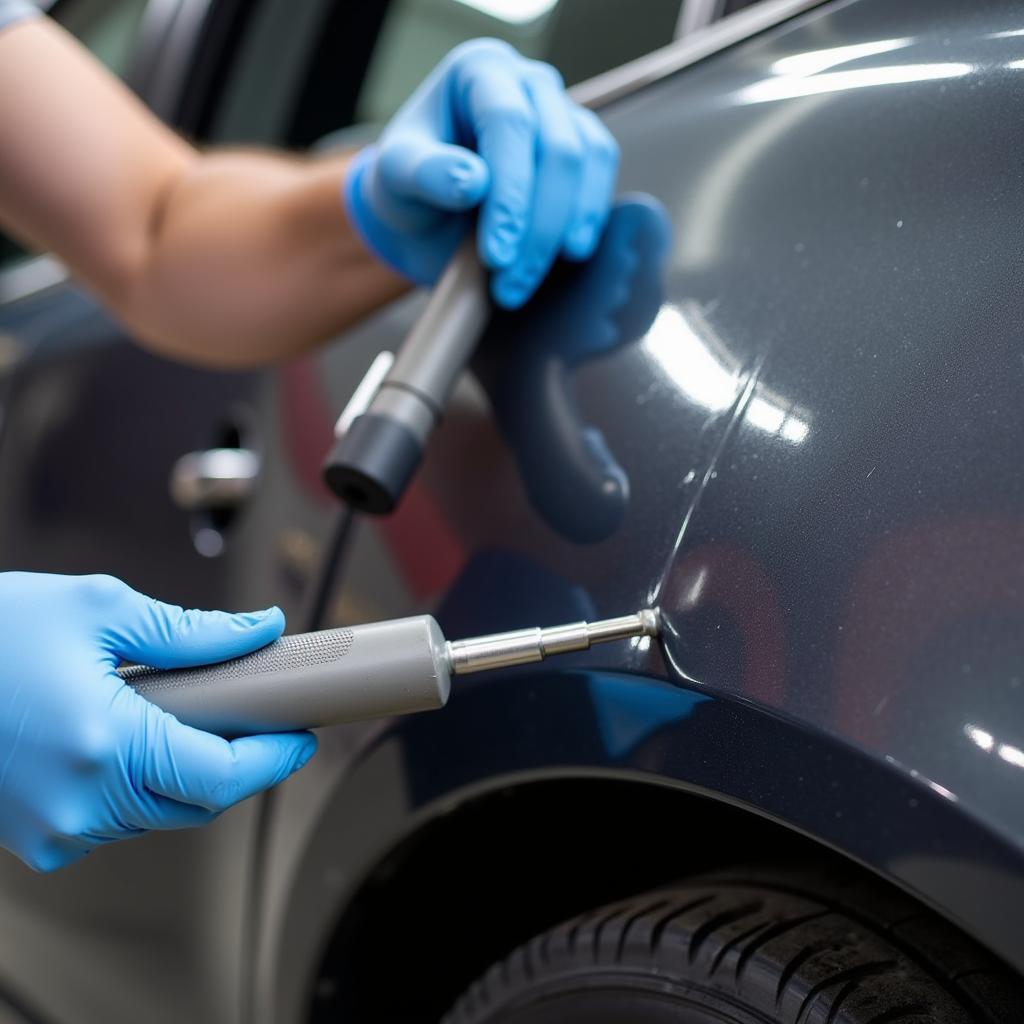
[
  {"x": 53, "y": 856},
  {"x": 582, "y": 242},
  {"x": 246, "y": 631},
  {"x": 510, "y": 293},
  {"x": 269, "y": 620},
  {"x": 304, "y": 751},
  {"x": 267, "y": 759},
  {"x": 501, "y": 232},
  {"x": 454, "y": 179}
]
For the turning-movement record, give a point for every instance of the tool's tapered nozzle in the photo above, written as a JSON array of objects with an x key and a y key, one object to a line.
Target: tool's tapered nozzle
[{"x": 523, "y": 646}]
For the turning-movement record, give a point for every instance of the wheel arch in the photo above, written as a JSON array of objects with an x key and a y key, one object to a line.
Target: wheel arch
[
  {"x": 537, "y": 782},
  {"x": 517, "y": 858}
]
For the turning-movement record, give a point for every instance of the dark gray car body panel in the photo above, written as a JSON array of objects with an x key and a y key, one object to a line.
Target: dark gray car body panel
[
  {"x": 822, "y": 435},
  {"x": 819, "y": 419}
]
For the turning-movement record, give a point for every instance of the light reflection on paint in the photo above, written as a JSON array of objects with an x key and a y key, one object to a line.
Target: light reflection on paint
[
  {"x": 788, "y": 87},
  {"x": 983, "y": 739},
  {"x": 795, "y": 430},
  {"x": 1011, "y": 755},
  {"x": 946, "y": 794},
  {"x": 689, "y": 352},
  {"x": 718, "y": 184},
  {"x": 709, "y": 378},
  {"x": 696, "y": 589},
  {"x": 814, "y": 61},
  {"x": 942, "y": 791},
  {"x": 765, "y": 415},
  {"x": 628, "y": 709}
]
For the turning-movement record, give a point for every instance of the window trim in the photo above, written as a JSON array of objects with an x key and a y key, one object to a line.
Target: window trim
[
  {"x": 697, "y": 14},
  {"x": 653, "y": 67}
]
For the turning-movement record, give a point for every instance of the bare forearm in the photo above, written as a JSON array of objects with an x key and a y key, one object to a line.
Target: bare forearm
[
  {"x": 252, "y": 260},
  {"x": 228, "y": 259}
]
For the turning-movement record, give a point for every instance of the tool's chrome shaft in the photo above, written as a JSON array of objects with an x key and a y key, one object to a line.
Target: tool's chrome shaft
[{"x": 522, "y": 646}]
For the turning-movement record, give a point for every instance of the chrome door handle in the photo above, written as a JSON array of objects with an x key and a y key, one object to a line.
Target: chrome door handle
[{"x": 218, "y": 478}]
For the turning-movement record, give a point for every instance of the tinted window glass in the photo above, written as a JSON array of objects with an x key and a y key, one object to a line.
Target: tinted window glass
[
  {"x": 107, "y": 27},
  {"x": 304, "y": 71},
  {"x": 580, "y": 37}
]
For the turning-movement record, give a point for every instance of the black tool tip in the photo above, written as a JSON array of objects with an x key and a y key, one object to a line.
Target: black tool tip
[{"x": 370, "y": 466}]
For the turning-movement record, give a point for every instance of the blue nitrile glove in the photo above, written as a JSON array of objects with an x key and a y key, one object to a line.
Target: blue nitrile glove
[
  {"x": 486, "y": 127},
  {"x": 83, "y": 758}
]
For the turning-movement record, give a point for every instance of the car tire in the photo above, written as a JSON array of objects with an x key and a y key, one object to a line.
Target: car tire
[{"x": 749, "y": 948}]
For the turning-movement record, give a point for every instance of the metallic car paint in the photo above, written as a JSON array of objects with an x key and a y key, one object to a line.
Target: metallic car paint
[{"x": 822, "y": 432}]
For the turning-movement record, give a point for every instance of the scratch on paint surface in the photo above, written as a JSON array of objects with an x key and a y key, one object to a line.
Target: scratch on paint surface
[{"x": 735, "y": 415}]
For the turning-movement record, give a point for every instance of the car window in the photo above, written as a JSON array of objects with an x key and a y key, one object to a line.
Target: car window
[
  {"x": 580, "y": 37},
  {"x": 696, "y": 15},
  {"x": 108, "y": 28},
  {"x": 306, "y": 71}
]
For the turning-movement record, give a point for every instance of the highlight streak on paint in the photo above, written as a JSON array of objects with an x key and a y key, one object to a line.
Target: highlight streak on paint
[{"x": 735, "y": 416}]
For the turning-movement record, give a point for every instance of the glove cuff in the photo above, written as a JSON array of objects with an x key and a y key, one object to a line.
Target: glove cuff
[{"x": 388, "y": 245}]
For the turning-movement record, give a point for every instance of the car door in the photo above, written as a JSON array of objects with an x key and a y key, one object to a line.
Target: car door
[
  {"x": 93, "y": 425},
  {"x": 162, "y": 928}
]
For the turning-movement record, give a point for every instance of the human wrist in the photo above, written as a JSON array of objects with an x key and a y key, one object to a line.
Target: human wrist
[{"x": 397, "y": 247}]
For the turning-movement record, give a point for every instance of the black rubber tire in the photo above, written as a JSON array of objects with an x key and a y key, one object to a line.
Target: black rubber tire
[{"x": 749, "y": 948}]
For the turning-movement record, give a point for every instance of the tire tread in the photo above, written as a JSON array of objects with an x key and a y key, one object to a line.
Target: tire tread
[{"x": 802, "y": 954}]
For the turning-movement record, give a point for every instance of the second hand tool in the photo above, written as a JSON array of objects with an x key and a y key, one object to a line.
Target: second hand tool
[{"x": 344, "y": 675}]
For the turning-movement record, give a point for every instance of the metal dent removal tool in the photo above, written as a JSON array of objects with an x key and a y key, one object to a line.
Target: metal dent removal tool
[
  {"x": 380, "y": 437},
  {"x": 345, "y": 675}
]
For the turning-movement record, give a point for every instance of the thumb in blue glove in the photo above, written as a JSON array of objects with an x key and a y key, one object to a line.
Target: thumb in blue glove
[
  {"x": 85, "y": 760},
  {"x": 487, "y": 127}
]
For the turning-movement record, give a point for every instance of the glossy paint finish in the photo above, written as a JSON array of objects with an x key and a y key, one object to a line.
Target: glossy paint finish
[
  {"x": 801, "y": 437},
  {"x": 852, "y": 550},
  {"x": 818, "y": 430}
]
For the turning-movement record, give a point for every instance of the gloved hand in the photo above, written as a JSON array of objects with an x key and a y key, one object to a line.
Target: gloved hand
[
  {"x": 487, "y": 126},
  {"x": 83, "y": 758}
]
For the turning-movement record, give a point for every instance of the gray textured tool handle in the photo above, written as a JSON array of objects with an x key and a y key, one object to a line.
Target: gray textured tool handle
[{"x": 310, "y": 679}]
